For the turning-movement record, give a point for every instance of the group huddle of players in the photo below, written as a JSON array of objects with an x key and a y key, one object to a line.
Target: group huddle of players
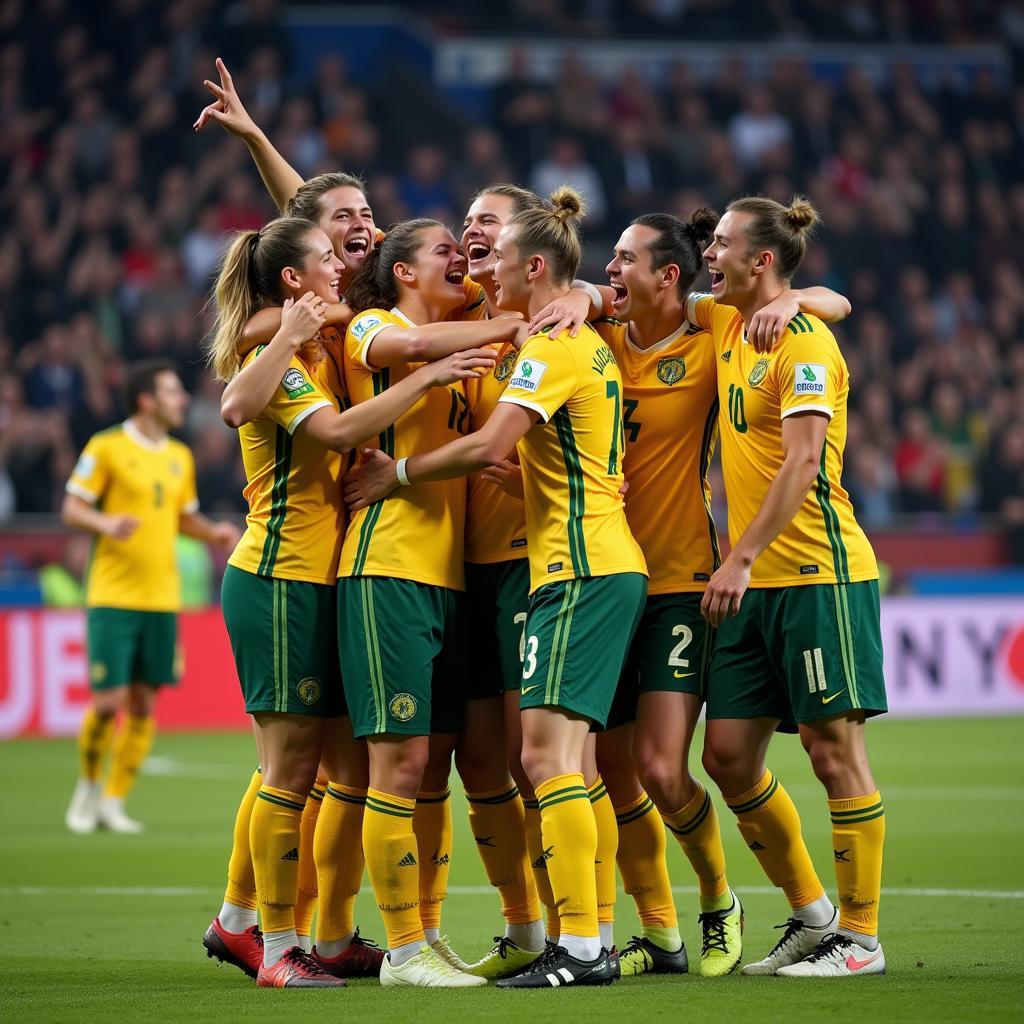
[{"x": 480, "y": 527}]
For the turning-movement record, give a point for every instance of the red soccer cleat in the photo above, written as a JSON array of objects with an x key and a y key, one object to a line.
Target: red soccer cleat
[
  {"x": 297, "y": 969},
  {"x": 242, "y": 949},
  {"x": 362, "y": 959}
]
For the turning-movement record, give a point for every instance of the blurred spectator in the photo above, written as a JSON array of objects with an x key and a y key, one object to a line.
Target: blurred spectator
[{"x": 566, "y": 165}]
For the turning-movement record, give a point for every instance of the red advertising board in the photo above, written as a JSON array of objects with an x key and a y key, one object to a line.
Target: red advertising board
[{"x": 44, "y": 676}]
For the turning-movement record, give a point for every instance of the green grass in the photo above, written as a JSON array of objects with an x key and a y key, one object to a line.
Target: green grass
[{"x": 955, "y": 804}]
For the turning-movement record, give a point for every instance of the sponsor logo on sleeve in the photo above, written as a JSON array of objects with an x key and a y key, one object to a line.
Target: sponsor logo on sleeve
[
  {"x": 528, "y": 375},
  {"x": 85, "y": 466},
  {"x": 809, "y": 379},
  {"x": 295, "y": 384},
  {"x": 364, "y": 324}
]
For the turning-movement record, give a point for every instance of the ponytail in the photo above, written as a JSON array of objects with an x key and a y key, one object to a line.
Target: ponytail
[{"x": 680, "y": 242}]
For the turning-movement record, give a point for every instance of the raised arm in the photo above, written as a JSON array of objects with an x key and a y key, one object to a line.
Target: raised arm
[
  {"x": 434, "y": 341},
  {"x": 266, "y": 323},
  {"x": 281, "y": 179},
  {"x": 768, "y": 323}
]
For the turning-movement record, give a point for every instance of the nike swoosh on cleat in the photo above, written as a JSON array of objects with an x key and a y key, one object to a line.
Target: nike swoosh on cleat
[
  {"x": 859, "y": 965},
  {"x": 828, "y": 700}
]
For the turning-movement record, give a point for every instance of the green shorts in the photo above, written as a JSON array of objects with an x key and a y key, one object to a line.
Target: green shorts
[
  {"x": 402, "y": 659},
  {"x": 577, "y": 636},
  {"x": 497, "y": 599},
  {"x": 670, "y": 653},
  {"x": 132, "y": 647},
  {"x": 283, "y": 637},
  {"x": 800, "y": 654}
]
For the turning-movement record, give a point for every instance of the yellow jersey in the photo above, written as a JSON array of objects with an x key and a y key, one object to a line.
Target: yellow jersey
[
  {"x": 572, "y": 458},
  {"x": 475, "y": 305},
  {"x": 495, "y": 521},
  {"x": 670, "y": 418},
  {"x": 296, "y": 513},
  {"x": 804, "y": 372},
  {"x": 417, "y": 532},
  {"x": 124, "y": 473}
]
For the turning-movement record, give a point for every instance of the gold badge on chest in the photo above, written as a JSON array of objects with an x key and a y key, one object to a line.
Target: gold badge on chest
[
  {"x": 758, "y": 373},
  {"x": 671, "y": 370},
  {"x": 504, "y": 369}
]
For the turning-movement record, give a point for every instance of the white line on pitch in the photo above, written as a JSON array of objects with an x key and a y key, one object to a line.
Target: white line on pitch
[{"x": 459, "y": 890}]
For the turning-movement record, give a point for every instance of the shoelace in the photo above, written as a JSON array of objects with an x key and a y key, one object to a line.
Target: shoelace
[
  {"x": 501, "y": 944},
  {"x": 257, "y": 935},
  {"x": 830, "y": 944},
  {"x": 792, "y": 926},
  {"x": 358, "y": 940},
  {"x": 712, "y": 928},
  {"x": 303, "y": 961},
  {"x": 635, "y": 945},
  {"x": 552, "y": 952}
]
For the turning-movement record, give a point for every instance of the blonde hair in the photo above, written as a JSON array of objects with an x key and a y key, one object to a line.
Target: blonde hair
[
  {"x": 552, "y": 231},
  {"x": 521, "y": 198},
  {"x": 308, "y": 199},
  {"x": 249, "y": 279},
  {"x": 785, "y": 230}
]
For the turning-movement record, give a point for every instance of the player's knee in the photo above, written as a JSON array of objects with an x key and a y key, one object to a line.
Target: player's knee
[
  {"x": 726, "y": 764},
  {"x": 828, "y": 762},
  {"x": 660, "y": 776}
]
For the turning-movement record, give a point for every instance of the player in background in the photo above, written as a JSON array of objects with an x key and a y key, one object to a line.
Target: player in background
[
  {"x": 278, "y": 594},
  {"x": 562, "y": 406},
  {"x": 796, "y": 600},
  {"x": 134, "y": 489}
]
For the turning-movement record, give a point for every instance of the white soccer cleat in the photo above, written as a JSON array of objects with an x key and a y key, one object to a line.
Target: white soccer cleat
[
  {"x": 83, "y": 812},
  {"x": 798, "y": 941},
  {"x": 427, "y": 969},
  {"x": 112, "y": 817},
  {"x": 838, "y": 956},
  {"x": 444, "y": 950}
]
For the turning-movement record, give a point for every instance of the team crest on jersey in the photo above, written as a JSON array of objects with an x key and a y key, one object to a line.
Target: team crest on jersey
[
  {"x": 758, "y": 373},
  {"x": 671, "y": 370},
  {"x": 504, "y": 369},
  {"x": 175, "y": 468},
  {"x": 308, "y": 690},
  {"x": 295, "y": 384},
  {"x": 402, "y": 707}
]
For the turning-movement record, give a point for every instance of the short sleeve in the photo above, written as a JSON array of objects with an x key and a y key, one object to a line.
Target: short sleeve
[
  {"x": 361, "y": 332},
  {"x": 189, "y": 494},
  {"x": 295, "y": 398},
  {"x": 89, "y": 478},
  {"x": 700, "y": 309},
  {"x": 544, "y": 377},
  {"x": 809, "y": 372}
]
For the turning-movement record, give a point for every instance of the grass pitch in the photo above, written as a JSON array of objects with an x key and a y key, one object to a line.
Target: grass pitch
[{"x": 108, "y": 927}]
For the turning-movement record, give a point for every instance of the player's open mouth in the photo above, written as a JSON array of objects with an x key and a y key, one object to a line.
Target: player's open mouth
[
  {"x": 621, "y": 293},
  {"x": 454, "y": 276},
  {"x": 477, "y": 251},
  {"x": 717, "y": 277},
  {"x": 358, "y": 246}
]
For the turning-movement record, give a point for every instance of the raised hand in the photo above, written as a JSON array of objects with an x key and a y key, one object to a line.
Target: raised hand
[
  {"x": 474, "y": 362},
  {"x": 228, "y": 110}
]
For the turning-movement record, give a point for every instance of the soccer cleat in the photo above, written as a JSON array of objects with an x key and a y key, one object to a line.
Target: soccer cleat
[
  {"x": 444, "y": 950},
  {"x": 427, "y": 969},
  {"x": 798, "y": 941},
  {"x": 360, "y": 959},
  {"x": 555, "y": 968},
  {"x": 641, "y": 956},
  {"x": 613, "y": 962},
  {"x": 837, "y": 956},
  {"x": 112, "y": 817},
  {"x": 296, "y": 969},
  {"x": 83, "y": 812},
  {"x": 504, "y": 960},
  {"x": 721, "y": 940},
  {"x": 244, "y": 950}
]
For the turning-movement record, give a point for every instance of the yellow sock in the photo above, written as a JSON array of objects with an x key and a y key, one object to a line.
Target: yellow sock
[
  {"x": 392, "y": 860},
  {"x": 307, "y": 891},
  {"x": 607, "y": 848},
  {"x": 696, "y": 827},
  {"x": 338, "y": 849},
  {"x": 432, "y": 824},
  {"x": 641, "y": 860},
  {"x": 274, "y": 838},
  {"x": 94, "y": 736},
  {"x": 858, "y": 835},
  {"x": 131, "y": 745},
  {"x": 570, "y": 847},
  {"x": 496, "y": 818},
  {"x": 539, "y": 865},
  {"x": 770, "y": 826},
  {"x": 241, "y": 888}
]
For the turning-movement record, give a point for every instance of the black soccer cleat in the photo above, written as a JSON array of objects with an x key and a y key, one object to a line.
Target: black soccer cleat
[
  {"x": 555, "y": 968},
  {"x": 641, "y": 956}
]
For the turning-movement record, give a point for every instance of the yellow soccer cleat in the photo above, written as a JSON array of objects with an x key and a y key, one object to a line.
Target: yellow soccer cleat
[
  {"x": 504, "y": 960},
  {"x": 721, "y": 940}
]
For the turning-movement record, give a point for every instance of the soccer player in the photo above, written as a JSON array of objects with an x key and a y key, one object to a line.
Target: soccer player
[
  {"x": 278, "y": 595},
  {"x": 796, "y": 600},
  {"x": 399, "y": 593},
  {"x": 134, "y": 488},
  {"x": 562, "y": 406}
]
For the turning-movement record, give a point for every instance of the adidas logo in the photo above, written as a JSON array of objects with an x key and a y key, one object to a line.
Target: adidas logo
[
  {"x": 540, "y": 864},
  {"x": 291, "y": 855},
  {"x": 484, "y": 841},
  {"x": 408, "y": 861},
  {"x": 755, "y": 845},
  {"x": 726, "y": 356},
  {"x": 439, "y": 860}
]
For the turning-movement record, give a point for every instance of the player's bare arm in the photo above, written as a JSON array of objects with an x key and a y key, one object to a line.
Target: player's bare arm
[
  {"x": 435, "y": 341},
  {"x": 76, "y": 512},
  {"x": 582, "y": 302},
  {"x": 803, "y": 435},
  {"x": 768, "y": 323},
  {"x": 223, "y": 534}
]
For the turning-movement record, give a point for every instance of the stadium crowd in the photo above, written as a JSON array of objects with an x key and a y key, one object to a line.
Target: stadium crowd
[{"x": 117, "y": 214}]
